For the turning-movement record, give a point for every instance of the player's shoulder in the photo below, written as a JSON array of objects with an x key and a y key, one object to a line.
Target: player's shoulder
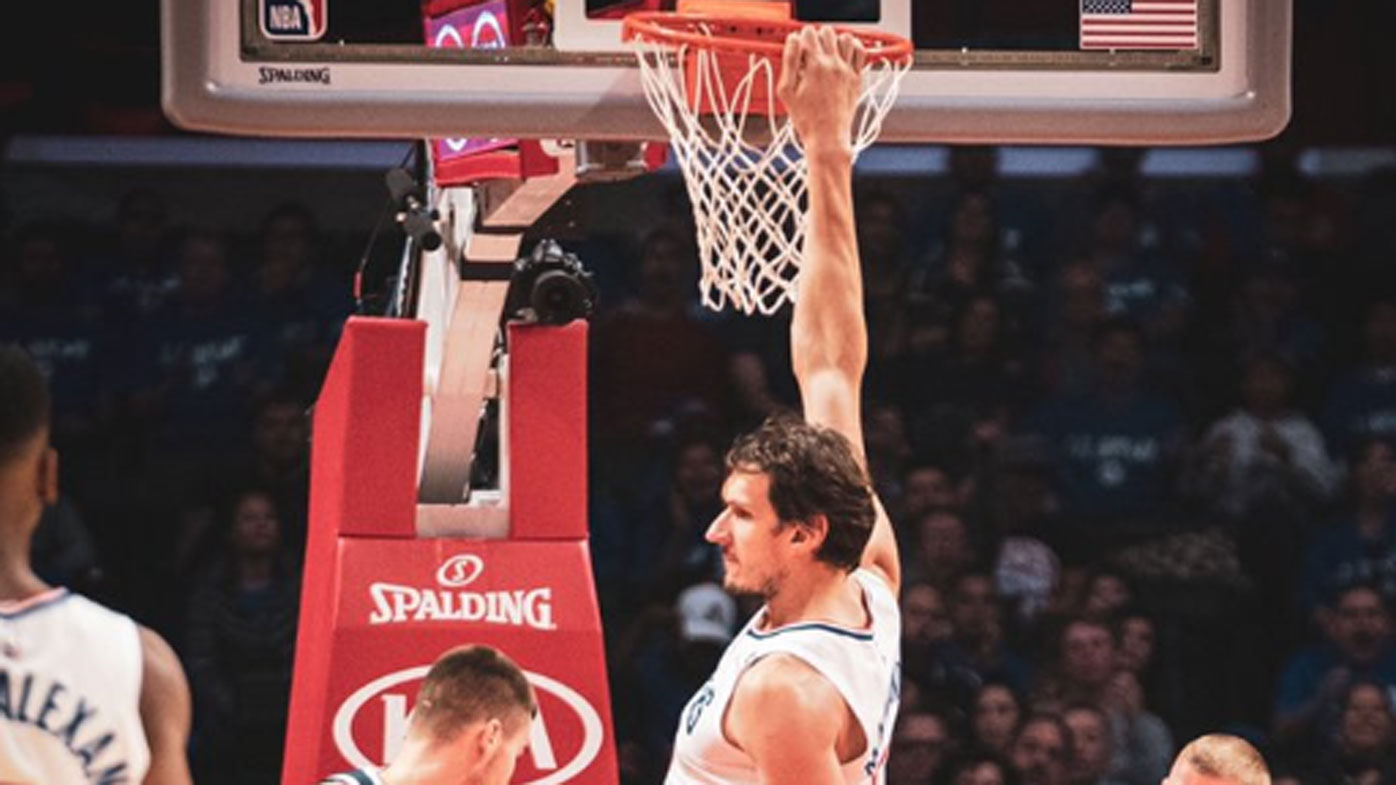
[
  {"x": 154, "y": 648},
  {"x": 784, "y": 695},
  {"x": 81, "y": 615},
  {"x": 162, "y": 673},
  {"x": 783, "y": 680}
]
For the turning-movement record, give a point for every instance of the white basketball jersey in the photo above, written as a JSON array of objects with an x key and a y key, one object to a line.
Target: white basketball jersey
[
  {"x": 70, "y": 685},
  {"x": 864, "y": 665}
]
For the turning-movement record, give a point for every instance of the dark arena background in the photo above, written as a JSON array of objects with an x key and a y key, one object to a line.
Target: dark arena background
[{"x": 1132, "y": 410}]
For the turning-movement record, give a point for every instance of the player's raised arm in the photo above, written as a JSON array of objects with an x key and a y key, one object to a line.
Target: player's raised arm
[{"x": 820, "y": 86}]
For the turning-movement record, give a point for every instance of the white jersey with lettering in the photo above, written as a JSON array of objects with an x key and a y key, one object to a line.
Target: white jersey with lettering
[
  {"x": 864, "y": 665},
  {"x": 70, "y": 688}
]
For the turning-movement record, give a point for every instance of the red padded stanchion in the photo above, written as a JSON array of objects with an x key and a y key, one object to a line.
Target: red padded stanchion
[
  {"x": 379, "y": 604},
  {"x": 367, "y": 425},
  {"x": 547, "y": 409}
]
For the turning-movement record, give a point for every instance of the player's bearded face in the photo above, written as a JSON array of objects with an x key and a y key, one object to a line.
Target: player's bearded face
[{"x": 750, "y": 534}]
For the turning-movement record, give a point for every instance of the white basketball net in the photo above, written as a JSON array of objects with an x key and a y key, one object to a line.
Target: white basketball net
[{"x": 749, "y": 197}]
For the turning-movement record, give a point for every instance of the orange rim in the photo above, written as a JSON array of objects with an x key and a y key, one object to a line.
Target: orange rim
[{"x": 762, "y": 37}]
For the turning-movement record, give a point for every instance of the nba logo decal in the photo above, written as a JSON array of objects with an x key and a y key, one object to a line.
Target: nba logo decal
[{"x": 293, "y": 20}]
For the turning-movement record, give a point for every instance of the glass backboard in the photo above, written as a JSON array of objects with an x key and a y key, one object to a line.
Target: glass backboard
[{"x": 1134, "y": 72}]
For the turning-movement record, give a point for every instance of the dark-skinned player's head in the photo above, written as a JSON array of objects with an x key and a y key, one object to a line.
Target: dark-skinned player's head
[{"x": 28, "y": 468}]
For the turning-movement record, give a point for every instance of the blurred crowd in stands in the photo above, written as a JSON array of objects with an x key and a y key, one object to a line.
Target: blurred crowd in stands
[{"x": 1135, "y": 434}]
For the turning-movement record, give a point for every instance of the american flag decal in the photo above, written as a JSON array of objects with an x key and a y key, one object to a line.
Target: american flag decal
[{"x": 1139, "y": 24}]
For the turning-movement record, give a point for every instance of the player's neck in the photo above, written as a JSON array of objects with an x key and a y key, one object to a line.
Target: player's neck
[
  {"x": 421, "y": 764},
  {"x": 821, "y": 593},
  {"x": 17, "y": 579}
]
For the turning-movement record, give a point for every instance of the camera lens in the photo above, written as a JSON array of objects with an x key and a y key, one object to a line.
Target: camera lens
[{"x": 558, "y": 297}]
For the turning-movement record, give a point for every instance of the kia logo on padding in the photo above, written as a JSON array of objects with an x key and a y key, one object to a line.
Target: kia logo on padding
[
  {"x": 460, "y": 570},
  {"x": 565, "y": 738},
  {"x": 487, "y": 33}
]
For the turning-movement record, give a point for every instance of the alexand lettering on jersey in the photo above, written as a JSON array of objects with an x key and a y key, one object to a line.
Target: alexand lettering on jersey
[{"x": 51, "y": 707}]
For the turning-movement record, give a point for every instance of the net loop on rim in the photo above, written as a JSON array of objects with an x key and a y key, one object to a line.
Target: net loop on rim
[{"x": 711, "y": 81}]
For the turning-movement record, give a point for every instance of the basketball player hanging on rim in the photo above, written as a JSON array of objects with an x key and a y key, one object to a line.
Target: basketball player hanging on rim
[
  {"x": 807, "y": 692},
  {"x": 86, "y": 694}
]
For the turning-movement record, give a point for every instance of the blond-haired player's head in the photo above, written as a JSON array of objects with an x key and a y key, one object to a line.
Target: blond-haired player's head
[
  {"x": 1219, "y": 759},
  {"x": 472, "y": 717}
]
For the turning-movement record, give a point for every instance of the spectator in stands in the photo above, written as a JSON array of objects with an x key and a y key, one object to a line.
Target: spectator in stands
[
  {"x": 651, "y": 355},
  {"x": 1085, "y": 672},
  {"x": 1107, "y": 592},
  {"x": 1268, "y": 318},
  {"x": 1116, "y": 448},
  {"x": 1143, "y": 743},
  {"x": 205, "y": 357},
  {"x": 921, "y": 743},
  {"x": 1360, "y": 545},
  {"x": 995, "y": 717},
  {"x": 1015, "y": 494},
  {"x": 1264, "y": 473},
  {"x": 961, "y": 402},
  {"x": 1364, "y": 748},
  {"x": 1084, "y": 664},
  {"x": 1361, "y": 402},
  {"x": 1073, "y": 310},
  {"x": 1041, "y": 753},
  {"x": 977, "y": 767},
  {"x": 137, "y": 274},
  {"x": 925, "y": 485},
  {"x": 1267, "y": 457},
  {"x": 279, "y": 460},
  {"x": 302, "y": 303},
  {"x": 1136, "y": 634},
  {"x": 276, "y": 459},
  {"x": 970, "y": 263},
  {"x": 56, "y": 318},
  {"x": 758, "y": 350},
  {"x": 667, "y": 545},
  {"x": 1140, "y": 282},
  {"x": 1358, "y": 644},
  {"x": 888, "y": 447},
  {"x": 979, "y": 642},
  {"x": 1092, "y": 745},
  {"x": 971, "y": 258},
  {"x": 925, "y": 630},
  {"x": 1303, "y": 230},
  {"x": 1136, "y": 650},
  {"x": 1026, "y": 572},
  {"x": 240, "y": 648},
  {"x": 943, "y": 549},
  {"x": 186, "y": 378}
]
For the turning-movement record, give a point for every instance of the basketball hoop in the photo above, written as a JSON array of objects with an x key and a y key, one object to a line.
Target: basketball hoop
[{"x": 711, "y": 80}]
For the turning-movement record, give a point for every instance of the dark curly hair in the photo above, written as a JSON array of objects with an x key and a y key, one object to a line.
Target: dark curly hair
[
  {"x": 813, "y": 472},
  {"x": 27, "y": 408}
]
